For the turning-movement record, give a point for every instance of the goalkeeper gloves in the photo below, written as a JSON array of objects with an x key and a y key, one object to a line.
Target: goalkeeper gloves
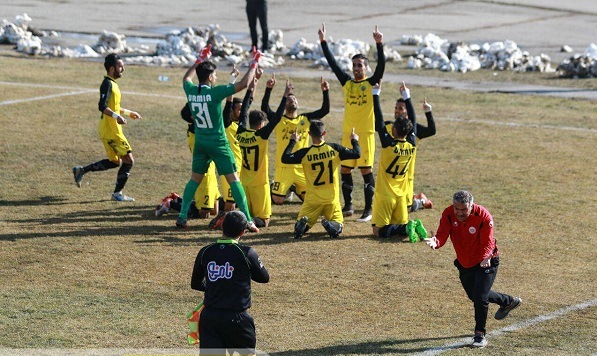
[
  {"x": 204, "y": 54},
  {"x": 256, "y": 57}
]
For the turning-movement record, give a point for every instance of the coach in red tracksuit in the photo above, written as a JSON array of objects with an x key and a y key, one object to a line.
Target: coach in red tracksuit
[{"x": 470, "y": 227}]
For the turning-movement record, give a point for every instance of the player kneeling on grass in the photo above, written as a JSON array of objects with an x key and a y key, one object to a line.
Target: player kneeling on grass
[
  {"x": 253, "y": 142},
  {"x": 173, "y": 202},
  {"x": 390, "y": 207},
  {"x": 320, "y": 163}
]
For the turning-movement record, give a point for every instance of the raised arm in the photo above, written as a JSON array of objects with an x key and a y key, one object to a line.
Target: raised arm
[
  {"x": 269, "y": 86},
  {"x": 250, "y": 74},
  {"x": 244, "y": 111},
  {"x": 340, "y": 74},
  {"x": 325, "y": 104},
  {"x": 347, "y": 153},
  {"x": 381, "y": 58},
  {"x": 410, "y": 111},
  {"x": 429, "y": 130},
  {"x": 204, "y": 54},
  {"x": 380, "y": 126},
  {"x": 274, "y": 118}
]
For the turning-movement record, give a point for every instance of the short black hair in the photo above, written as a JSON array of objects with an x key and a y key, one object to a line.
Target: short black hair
[
  {"x": 236, "y": 101},
  {"x": 204, "y": 70},
  {"x": 316, "y": 128},
  {"x": 256, "y": 117},
  {"x": 400, "y": 100},
  {"x": 402, "y": 126},
  {"x": 111, "y": 60},
  {"x": 361, "y": 56},
  {"x": 234, "y": 224}
]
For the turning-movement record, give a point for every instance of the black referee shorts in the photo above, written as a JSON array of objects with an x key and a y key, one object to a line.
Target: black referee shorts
[{"x": 226, "y": 329}]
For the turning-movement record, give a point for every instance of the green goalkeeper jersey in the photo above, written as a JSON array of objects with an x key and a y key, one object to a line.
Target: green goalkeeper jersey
[{"x": 206, "y": 105}]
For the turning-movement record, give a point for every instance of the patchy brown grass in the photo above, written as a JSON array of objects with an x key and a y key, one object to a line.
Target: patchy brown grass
[{"x": 81, "y": 271}]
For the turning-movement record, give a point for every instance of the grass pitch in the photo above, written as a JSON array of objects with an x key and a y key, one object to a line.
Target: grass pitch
[{"x": 79, "y": 271}]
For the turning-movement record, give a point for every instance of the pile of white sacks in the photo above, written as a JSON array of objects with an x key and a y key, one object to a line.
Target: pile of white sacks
[
  {"x": 438, "y": 53},
  {"x": 342, "y": 50},
  {"x": 181, "y": 47},
  {"x": 580, "y": 65},
  {"x": 177, "y": 47}
]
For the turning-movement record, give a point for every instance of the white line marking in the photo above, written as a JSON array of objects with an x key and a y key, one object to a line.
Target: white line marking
[
  {"x": 85, "y": 91},
  {"x": 18, "y": 101},
  {"x": 521, "y": 325}
]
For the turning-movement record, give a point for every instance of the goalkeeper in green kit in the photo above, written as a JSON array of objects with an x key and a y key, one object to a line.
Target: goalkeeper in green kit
[{"x": 211, "y": 144}]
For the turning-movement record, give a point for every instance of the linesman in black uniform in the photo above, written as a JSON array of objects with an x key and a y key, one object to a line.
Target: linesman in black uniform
[{"x": 224, "y": 270}]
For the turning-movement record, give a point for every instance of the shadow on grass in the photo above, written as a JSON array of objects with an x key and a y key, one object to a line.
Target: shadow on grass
[
  {"x": 369, "y": 348},
  {"x": 139, "y": 221},
  {"x": 45, "y": 200}
]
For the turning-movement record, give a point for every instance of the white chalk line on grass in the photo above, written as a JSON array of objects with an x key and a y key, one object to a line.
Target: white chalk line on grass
[
  {"x": 190, "y": 351},
  {"x": 53, "y": 96},
  {"x": 86, "y": 91},
  {"x": 77, "y": 92},
  {"x": 514, "y": 327}
]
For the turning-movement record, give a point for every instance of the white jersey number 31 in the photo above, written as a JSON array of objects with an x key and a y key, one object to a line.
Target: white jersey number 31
[{"x": 202, "y": 118}]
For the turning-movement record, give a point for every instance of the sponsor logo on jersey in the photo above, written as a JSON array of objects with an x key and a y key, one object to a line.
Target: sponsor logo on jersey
[
  {"x": 215, "y": 272},
  {"x": 472, "y": 230}
]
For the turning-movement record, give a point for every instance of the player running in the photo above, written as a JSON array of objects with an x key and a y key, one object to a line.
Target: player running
[{"x": 120, "y": 153}]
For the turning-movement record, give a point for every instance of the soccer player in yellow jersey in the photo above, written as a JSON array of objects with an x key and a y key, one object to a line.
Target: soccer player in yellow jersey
[
  {"x": 358, "y": 115},
  {"x": 253, "y": 142},
  {"x": 320, "y": 163},
  {"x": 110, "y": 129},
  {"x": 287, "y": 175},
  {"x": 390, "y": 211},
  {"x": 404, "y": 107}
]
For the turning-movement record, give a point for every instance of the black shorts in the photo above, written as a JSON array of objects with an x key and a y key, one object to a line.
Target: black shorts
[{"x": 227, "y": 329}]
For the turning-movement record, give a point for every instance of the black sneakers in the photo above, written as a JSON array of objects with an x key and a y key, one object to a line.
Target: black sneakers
[
  {"x": 330, "y": 229},
  {"x": 504, "y": 311},
  {"x": 300, "y": 227},
  {"x": 348, "y": 210},
  {"x": 366, "y": 216}
]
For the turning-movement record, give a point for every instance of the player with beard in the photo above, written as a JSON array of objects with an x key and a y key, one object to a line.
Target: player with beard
[
  {"x": 358, "y": 115},
  {"x": 291, "y": 176}
]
